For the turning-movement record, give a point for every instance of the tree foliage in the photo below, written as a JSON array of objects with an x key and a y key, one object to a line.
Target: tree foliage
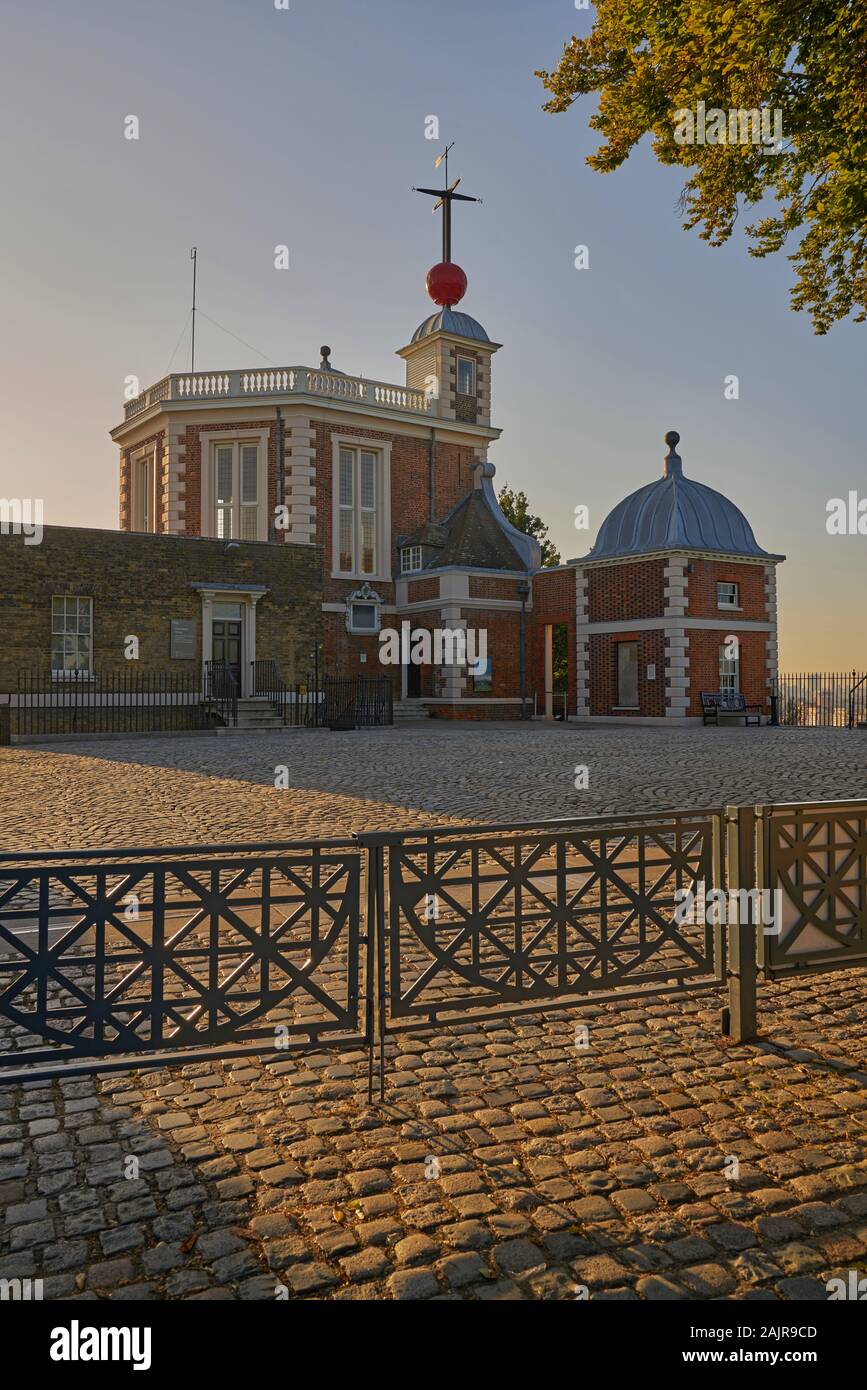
[
  {"x": 807, "y": 59},
  {"x": 515, "y": 508}
]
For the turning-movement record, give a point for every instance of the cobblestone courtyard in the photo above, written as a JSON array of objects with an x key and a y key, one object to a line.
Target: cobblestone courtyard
[{"x": 609, "y": 1169}]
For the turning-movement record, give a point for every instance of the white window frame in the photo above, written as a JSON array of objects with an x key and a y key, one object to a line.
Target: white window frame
[
  {"x": 209, "y": 442},
  {"x": 381, "y": 449},
  {"x": 729, "y": 672},
  {"x": 725, "y": 586},
  {"x": 365, "y": 597},
  {"x": 410, "y": 559},
  {"x": 72, "y": 672},
  {"x": 363, "y": 631},
  {"x": 462, "y": 357},
  {"x": 143, "y": 490}
]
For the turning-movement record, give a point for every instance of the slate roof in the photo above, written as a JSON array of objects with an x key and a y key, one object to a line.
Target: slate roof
[
  {"x": 676, "y": 513},
  {"x": 451, "y": 321},
  {"x": 476, "y": 535}
]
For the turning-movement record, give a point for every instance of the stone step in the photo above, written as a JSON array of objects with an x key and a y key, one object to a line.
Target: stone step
[{"x": 409, "y": 709}]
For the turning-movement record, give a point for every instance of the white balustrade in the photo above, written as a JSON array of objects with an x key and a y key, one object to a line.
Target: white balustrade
[{"x": 280, "y": 381}]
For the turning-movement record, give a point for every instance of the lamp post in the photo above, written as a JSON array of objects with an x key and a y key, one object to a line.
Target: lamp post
[{"x": 523, "y": 594}]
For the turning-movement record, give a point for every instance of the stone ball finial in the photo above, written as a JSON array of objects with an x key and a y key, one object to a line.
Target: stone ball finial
[
  {"x": 672, "y": 466},
  {"x": 326, "y": 353}
]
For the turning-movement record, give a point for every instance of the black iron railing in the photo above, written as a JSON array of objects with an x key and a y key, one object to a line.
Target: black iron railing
[
  {"x": 130, "y": 701},
  {"x": 221, "y": 691},
  {"x": 858, "y": 700},
  {"x": 821, "y": 699},
  {"x": 269, "y": 684},
  {"x": 357, "y": 701}
]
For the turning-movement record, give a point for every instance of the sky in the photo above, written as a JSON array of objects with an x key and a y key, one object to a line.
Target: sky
[{"x": 305, "y": 127}]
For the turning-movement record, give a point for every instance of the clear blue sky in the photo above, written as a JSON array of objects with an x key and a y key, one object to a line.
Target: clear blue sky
[{"x": 306, "y": 127}]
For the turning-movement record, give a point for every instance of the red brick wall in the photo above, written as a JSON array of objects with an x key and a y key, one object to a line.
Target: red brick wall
[
  {"x": 485, "y": 586},
  {"x": 481, "y": 710},
  {"x": 503, "y": 627},
  {"x": 701, "y": 589},
  {"x": 343, "y": 650},
  {"x": 422, "y": 589},
  {"x": 603, "y": 673},
  {"x": 703, "y": 653},
  {"x": 631, "y": 590}
]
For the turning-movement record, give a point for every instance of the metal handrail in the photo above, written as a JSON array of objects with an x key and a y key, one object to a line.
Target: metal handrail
[
  {"x": 268, "y": 683},
  {"x": 221, "y": 690}
]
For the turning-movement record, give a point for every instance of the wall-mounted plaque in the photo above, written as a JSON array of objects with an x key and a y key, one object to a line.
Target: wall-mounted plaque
[{"x": 183, "y": 639}]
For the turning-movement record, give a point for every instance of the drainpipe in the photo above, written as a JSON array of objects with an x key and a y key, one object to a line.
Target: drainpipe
[
  {"x": 279, "y": 465},
  {"x": 431, "y": 466},
  {"x": 524, "y": 594}
]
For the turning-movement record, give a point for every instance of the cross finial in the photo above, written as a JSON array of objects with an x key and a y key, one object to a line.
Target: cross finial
[{"x": 445, "y": 197}]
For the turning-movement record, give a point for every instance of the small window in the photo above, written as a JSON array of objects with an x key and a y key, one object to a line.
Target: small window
[
  {"x": 363, "y": 617},
  {"x": 482, "y": 681},
  {"x": 729, "y": 672},
  {"x": 410, "y": 559},
  {"x": 466, "y": 374},
  {"x": 71, "y": 634},
  {"x": 728, "y": 595}
]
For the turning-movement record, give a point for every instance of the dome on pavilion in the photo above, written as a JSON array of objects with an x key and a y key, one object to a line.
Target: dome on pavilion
[{"x": 676, "y": 513}]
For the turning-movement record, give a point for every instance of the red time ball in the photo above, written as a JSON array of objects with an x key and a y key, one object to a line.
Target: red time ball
[{"x": 446, "y": 283}]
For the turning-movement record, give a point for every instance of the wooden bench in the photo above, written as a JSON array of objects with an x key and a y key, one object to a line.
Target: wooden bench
[{"x": 731, "y": 704}]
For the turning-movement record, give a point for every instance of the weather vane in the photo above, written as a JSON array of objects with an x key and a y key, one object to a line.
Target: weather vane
[{"x": 446, "y": 282}]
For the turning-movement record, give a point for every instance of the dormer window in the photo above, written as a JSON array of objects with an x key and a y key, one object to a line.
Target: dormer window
[
  {"x": 466, "y": 376},
  {"x": 410, "y": 559}
]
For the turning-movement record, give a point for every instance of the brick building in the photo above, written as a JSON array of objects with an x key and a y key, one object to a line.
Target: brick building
[
  {"x": 78, "y": 604},
  {"x": 675, "y": 598},
  {"x": 296, "y": 512},
  {"x": 391, "y": 483}
]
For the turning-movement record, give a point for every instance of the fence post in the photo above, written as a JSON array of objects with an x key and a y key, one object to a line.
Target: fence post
[
  {"x": 374, "y": 844},
  {"x": 740, "y": 1019},
  {"x": 6, "y": 721}
]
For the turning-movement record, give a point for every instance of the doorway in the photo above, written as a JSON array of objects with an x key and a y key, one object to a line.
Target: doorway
[
  {"x": 227, "y": 638},
  {"x": 413, "y": 681}
]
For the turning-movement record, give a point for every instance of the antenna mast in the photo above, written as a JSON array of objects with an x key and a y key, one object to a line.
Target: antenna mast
[{"x": 193, "y": 255}]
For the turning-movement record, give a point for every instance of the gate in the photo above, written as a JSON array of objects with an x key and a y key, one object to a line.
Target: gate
[
  {"x": 146, "y": 957},
  {"x": 814, "y": 858},
  {"x": 506, "y": 920},
  {"x": 143, "y": 957}
]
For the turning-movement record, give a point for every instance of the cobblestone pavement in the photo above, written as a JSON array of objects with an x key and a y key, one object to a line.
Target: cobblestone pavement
[{"x": 503, "y": 1164}]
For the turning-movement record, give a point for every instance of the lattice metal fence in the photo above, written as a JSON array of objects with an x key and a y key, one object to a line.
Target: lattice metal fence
[
  {"x": 123, "y": 958},
  {"x": 177, "y": 955},
  {"x": 813, "y": 860},
  {"x": 509, "y": 920}
]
